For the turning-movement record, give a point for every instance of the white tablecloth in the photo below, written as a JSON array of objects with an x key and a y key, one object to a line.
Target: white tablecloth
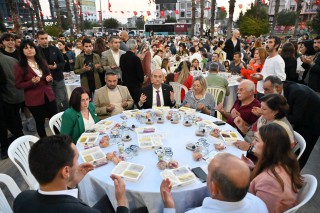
[
  {"x": 72, "y": 83},
  {"x": 146, "y": 191}
]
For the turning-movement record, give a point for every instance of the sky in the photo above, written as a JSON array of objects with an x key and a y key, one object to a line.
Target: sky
[{"x": 141, "y": 5}]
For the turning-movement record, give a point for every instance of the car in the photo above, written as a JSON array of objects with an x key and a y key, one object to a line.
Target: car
[{"x": 99, "y": 34}]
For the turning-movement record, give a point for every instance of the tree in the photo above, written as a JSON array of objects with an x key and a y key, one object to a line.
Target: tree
[
  {"x": 58, "y": 15},
  {"x": 316, "y": 22},
  {"x": 230, "y": 20},
  {"x": 140, "y": 24},
  {"x": 36, "y": 12},
  {"x": 52, "y": 30},
  {"x": 75, "y": 12},
  {"x": 201, "y": 16},
  {"x": 286, "y": 18},
  {"x": 213, "y": 14},
  {"x": 222, "y": 14},
  {"x": 170, "y": 19},
  {"x": 87, "y": 25},
  {"x": 299, "y": 8},
  {"x": 81, "y": 15},
  {"x": 15, "y": 17},
  {"x": 276, "y": 11},
  {"x": 2, "y": 26},
  {"x": 111, "y": 23},
  {"x": 69, "y": 17},
  {"x": 51, "y": 9},
  {"x": 193, "y": 16}
]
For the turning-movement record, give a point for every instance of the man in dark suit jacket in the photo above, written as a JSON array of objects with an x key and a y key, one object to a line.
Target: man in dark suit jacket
[
  {"x": 53, "y": 161},
  {"x": 157, "y": 93},
  {"x": 132, "y": 72},
  {"x": 304, "y": 112},
  {"x": 232, "y": 45}
]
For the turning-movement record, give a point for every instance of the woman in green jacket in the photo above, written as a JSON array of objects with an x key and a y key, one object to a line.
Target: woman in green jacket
[{"x": 81, "y": 115}]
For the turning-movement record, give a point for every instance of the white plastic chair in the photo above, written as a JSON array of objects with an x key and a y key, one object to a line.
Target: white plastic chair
[
  {"x": 14, "y": 190},
  {"x": 306, "y": 192},
  {"x": 177, "y": 87},
  {"x": 18, "y": 153},
  {"x": 55, "y": 121},
  {"x": 215, "y": 92},
  {"x": 300, "y": 145}
]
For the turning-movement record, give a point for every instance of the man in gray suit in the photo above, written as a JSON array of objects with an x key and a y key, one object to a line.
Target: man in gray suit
[
  {"x": 112, "y": 99},
  {"x": 110, "y": 59}
]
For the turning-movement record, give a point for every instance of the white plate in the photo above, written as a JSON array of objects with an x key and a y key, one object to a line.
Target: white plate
[
  {"x": 129, "y": 171},
  {"x": 178, "y": 177},
  {"x": 88, "y": 139},
  {"x": 94, "y": 155}
]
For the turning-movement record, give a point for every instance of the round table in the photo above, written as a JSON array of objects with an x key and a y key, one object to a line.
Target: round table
[{"x": 146, "y": 191}]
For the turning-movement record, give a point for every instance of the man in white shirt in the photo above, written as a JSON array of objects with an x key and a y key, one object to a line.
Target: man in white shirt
[
  {"x": 227, "y": 182},
  {"x": 274, "y": 64},
  {"x": 157, "y": 93},
  {"x": 110, "y": 59},
  {"x": 78, "y": 49},
  {"x": 112, "y": 99}
]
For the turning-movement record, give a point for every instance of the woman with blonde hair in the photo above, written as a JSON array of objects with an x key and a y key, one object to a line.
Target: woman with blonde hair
[
  {"x": 255, "y": 66},
  {"x": 165, "y": 66},
  {"x": 184, "y": 77}
]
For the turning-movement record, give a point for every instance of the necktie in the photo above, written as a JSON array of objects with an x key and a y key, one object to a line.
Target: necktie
[{"x": 158, "y": 99}]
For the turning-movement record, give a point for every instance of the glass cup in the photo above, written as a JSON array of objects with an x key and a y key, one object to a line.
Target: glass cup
[{"x": 120, "y": 148}]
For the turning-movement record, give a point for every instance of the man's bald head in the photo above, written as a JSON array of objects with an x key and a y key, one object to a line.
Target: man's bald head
[
  {"x": 232, "y": 176},
  {"x": 124, "y": 35},
  {"x": 236, "y": 33}
]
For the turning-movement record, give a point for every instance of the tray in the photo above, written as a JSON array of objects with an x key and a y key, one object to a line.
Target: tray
[
  {"x": 178, "y": 177},
  {"x": 131, "y": 113},
  {"x": 229, "y": 137},
  {"x": 145, "y": 130},
  {"x": 187, "y": 110},
  {"x": 128, "y": 171},
  {"x": 103, "y": 125},
  {"x": 88, "y": 139},
  {"x": 208, "y": 124},
  {"x": 94, "y": 155},
  {"x": 150, "y": 141}
]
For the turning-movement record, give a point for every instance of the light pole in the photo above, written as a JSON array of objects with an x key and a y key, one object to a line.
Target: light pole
[{"x": 100, "y": 17}]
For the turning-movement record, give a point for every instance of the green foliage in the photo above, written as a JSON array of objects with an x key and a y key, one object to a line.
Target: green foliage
[
  {"x": 254, "y": 22},
  {"x": 221, "y": 15},
  {"x": 316, "y": 22},
  {"x": 170, "y": 19},
  {"x": 253, "y": 26},
  {"x": 111, "y": 23},
  {"x": 140, "y": 24},
  {"x": 52, "y": 30},
  {"x": 95, "y": 24},
  {"x": 286, "y": 18},
  {"x": 87, "y": 25}
]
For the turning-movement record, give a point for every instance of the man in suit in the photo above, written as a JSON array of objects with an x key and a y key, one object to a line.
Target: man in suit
[
  {"x": 57, "y": 191},
  {"x": 232, "y": 45},
  {"x": 157, "y": 93},
  {"x": 112, "y": 99},
  {"x": 55, "y": 61},
  {"x": 132, "y": 72},
  {"x": 304, "y": 110},
  {"x": 110, "y": 59}
]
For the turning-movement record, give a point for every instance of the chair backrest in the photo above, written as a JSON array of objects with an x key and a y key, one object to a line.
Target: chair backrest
[
  {"x": 218, "y": 94},
  {"x": 301, "y": 144},
  {"x": 18, "y": 153},
  {"x": 306, "y": 192},
  {"x": 177, "y": 87},
  {"x": 14, "y": 190},
  {"x": 55, "y": 122}
]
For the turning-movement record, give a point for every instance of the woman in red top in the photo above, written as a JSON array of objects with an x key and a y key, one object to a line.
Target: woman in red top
[
  {"x": 184, "y": 77},
  {"x": 33, "y": 75},
  {"x": 255, "y": 65}
]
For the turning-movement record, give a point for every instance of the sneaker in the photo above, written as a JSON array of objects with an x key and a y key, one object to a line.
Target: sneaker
[{"x": 30, "y": 127}]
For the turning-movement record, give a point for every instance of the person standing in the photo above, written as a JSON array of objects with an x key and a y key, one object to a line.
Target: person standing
[
  {"x": 233, "y": 45},
  {"x": 33, "y": 76},
  {"x": 88, "y": 65},
  {"x": 124, "y": 37},
  {"x": 55, "y": 61},
  {"x": 274, "y": 64},
  {"x": 132, "y": 72},
  {"x": 110, "y": 59},
  {"x": 8, "y": 41}
]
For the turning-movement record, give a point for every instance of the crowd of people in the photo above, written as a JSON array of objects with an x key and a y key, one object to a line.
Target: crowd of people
[{"x": 278, "y": 93}]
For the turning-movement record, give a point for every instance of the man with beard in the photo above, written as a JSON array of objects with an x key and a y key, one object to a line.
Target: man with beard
[
  {"x": 274, "y": 64},
  {"x": 312, "y": 78},
  {"x": 112, "y": 99}
]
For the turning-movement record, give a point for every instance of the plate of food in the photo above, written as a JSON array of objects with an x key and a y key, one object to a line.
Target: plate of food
[
  {"x": 128, "y": 171},
  {"x": 94, "y": 155},
  {"x": 187, "y": 109},
  {"x": 229, "y": 137},
  {"x": 145, "y": 130},
  {"x": 150, "y": 141},
  {"x": 178, "y": 177},
  {"x": 131, "y": 113},
  {"x": 103, "y": 125},
  {"x": 88, "y": 139}
]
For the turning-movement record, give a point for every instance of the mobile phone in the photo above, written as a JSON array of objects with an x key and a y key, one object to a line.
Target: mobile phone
[
  {"x": 198, "y": 171},
  {"x": 219, "y": 123}
]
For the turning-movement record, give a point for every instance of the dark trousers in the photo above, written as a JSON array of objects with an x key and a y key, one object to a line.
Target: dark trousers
[
  {"x": 311, "y": 137},
  {"x": 134, "y": 92},
  {"x": 40, "y": 113},
  {"x": 11, "y": 121}
]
